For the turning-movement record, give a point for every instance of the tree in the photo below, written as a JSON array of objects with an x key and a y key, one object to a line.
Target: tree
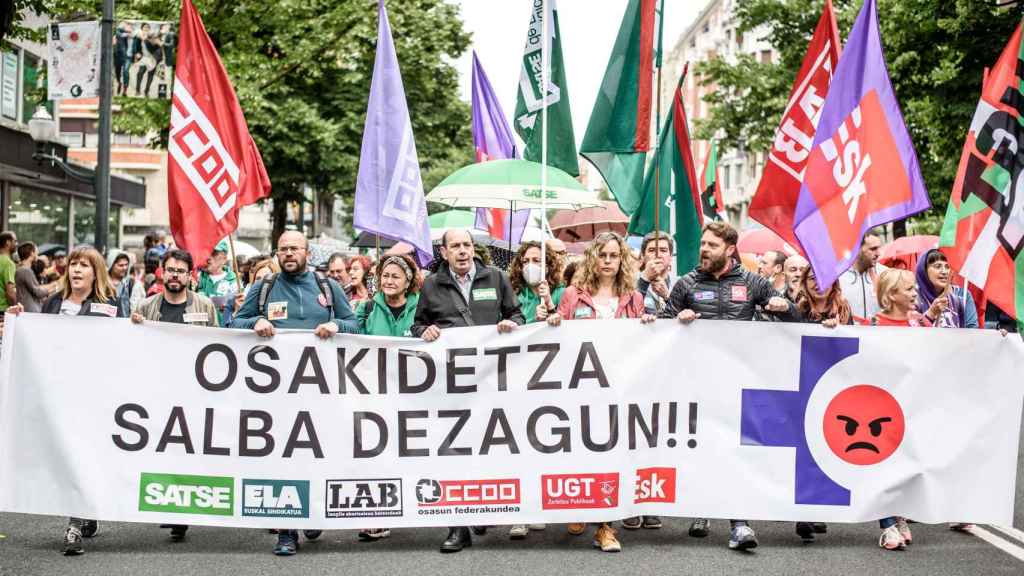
[
  {"x": 302, "y": 71},
  {"x": 936, "y": 51}
]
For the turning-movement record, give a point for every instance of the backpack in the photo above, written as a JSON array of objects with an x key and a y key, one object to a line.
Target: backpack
[{"x": 321, "y": 281}]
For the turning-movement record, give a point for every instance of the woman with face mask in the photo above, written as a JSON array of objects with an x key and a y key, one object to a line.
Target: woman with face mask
[
  {"x": 946, "y": 305},
  {"x": 539, "y": 291},
  {"x": 86, "y": 290}
]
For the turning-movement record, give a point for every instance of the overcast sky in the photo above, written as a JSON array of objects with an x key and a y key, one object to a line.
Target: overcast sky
[{"x": 588, "y": 31}]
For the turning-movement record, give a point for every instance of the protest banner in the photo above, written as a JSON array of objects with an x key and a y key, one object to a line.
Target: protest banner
[{"x": 590, "y": 421}]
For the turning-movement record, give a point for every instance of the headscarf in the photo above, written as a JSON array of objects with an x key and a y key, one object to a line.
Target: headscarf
[{"x": 953, "y": 317}]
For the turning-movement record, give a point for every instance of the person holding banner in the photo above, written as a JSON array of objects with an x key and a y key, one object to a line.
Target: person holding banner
[
  {"x": 538, "y": 292},
  {"x": 603, "y": 289},
  {"x": 721, "y": 289},
  {"x": 946, "y": 305},
  {"x": 297, "y": 298},
  {"x": 86, "y": 291},
  {"x": 464, "y": 292},
  {"x": 858, "y": 282},
  {"x": 656, "y": 277}
]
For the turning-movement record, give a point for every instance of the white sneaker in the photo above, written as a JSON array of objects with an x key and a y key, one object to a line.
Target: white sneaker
[
  {"x": 891, "y": 539},
  {"x": 538, "y": 527},
  {"x": 904, "y": 528},
  {"x": 518, "y": 532}
]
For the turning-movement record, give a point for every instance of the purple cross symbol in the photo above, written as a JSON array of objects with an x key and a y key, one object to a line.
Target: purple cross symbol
[{"x": 776, "y": 418}]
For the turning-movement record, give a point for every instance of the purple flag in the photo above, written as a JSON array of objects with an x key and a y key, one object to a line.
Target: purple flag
[
  {"x": 493, "y": 140},
  {"x": 862, "y": 171},
  {"x": 389, "y": 192}
]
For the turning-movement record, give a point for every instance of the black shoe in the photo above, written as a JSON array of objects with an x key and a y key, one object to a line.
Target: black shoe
[
  {"x": 458, "y": 538},
  {"x": 699, "y": 528},
  {"x": 373, "y": 534},
  {"x": 652, "y": 522},
  {"x": 312, "y": 534},
  {"x": 805, "y": 531},
  {"x": 90, "y": 528},
  {"x": 819, "y": 527},
  {"x": 633, "y": 523},
  {"x": 480, "y": 530},
  {"x": 178, "y": 532},
  {"x": 287, "y": 543},
  {"x": 73, "y": 542}
]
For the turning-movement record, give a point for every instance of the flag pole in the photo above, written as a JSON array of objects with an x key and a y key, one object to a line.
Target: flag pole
[
  {"x": 545, "y": 75},
  {"x": 234, "y": 261},
  {"x": 660, "y": 13}
]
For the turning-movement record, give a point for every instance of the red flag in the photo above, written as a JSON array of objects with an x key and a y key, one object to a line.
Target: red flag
[
  {"x": 774, "y": 203},
  {"x": 213, "y": 167}
]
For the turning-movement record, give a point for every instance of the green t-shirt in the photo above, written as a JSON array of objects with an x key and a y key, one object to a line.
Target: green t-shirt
[{"x": 7, "y": 269}]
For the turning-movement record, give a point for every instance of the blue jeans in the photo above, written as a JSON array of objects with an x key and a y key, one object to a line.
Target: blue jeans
[{"x": 887, "y": 522}]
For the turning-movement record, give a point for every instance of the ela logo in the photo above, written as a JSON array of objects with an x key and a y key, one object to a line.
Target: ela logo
[
  {"x": 275, "y": 498},
  {"x": 187, "y": 494}
]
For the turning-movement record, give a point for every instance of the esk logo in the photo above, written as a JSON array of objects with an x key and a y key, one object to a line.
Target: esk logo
[
  {"x": 863, "y": 425},
  {"x": 186, "y": 494},
  {"x": 655, "y": 485}
]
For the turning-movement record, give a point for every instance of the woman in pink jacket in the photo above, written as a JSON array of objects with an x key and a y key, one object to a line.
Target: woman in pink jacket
[{"x": 603, "y": 288}]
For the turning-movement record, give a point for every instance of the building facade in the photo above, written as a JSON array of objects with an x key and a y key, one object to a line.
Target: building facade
[{"x": 715, "y": 34}]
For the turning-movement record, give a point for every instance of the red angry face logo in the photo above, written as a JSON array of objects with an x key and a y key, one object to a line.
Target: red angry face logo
[{"x": 863, "y": 425}]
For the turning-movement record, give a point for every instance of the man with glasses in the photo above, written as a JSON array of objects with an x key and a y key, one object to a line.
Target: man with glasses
[
  {"x": 297, "y": 298},
  {"x": 178, "y": 305},
  {"x": 656, "y": 278},
  {"x": 557, "y": 247}
]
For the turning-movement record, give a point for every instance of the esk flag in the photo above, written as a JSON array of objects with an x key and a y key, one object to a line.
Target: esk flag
[
  {"x": 389, "y": 192},
  {"x": 862, "y": 171},
  {"x": 677, "y": 189},
  {"x": 774, "y": 203},
  {"x": 983, "y": 234},
  {"x": 214, "y": 167},
  {"x": 711, "y": 204},
  {"x": 619, "y": 133},
  {"x": 532, "y": 98},
  {"x": 492, "y": 139}
]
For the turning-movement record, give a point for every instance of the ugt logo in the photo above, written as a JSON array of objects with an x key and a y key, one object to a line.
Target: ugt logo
[{"x": 863, "y": 425}]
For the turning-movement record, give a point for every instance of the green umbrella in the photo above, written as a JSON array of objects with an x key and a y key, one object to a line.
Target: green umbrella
[
  {"x": 452, "y": 219},
  {"x": 511, "y": 184}
]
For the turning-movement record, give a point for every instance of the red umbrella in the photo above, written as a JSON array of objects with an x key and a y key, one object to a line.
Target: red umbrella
[
  {"x": 585, "y": 224},
  {"x": 903, "y": 252},
  {"x": 764, "y": 240}
]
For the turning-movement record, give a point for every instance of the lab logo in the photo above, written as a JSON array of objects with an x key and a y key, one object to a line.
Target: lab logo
[{"x": 364, "y": 498}]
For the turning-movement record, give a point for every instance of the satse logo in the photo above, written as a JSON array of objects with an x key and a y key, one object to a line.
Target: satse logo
[
  {"x": 196, "y": 147},
  {"x": 275, "y": 498},
  {"x": 186, "y": 494},
  {"x": 568, "y": 491},
  {"x": 655, "y": 485},
  {"x": 364, "y": 498}
]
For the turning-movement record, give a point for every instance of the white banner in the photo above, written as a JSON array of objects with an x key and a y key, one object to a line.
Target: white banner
[
  {"x": 73, "y": 69},
  {"x": 591, "y": 421}
]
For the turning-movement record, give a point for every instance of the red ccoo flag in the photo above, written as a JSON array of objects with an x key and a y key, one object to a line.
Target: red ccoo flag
[
  {"x": 774, "y": 203},
  {"x": 214, "y": 167}
]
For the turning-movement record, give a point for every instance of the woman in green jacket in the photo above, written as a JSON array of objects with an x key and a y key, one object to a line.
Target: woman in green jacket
[
  {"x": 393, "y": 307},
  {"x": 539, "y": 294}
]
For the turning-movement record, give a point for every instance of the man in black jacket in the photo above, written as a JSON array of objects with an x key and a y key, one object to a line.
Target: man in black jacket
[
  {"x": 721, "y": 289},
  {"x": 464, "y": 292}
]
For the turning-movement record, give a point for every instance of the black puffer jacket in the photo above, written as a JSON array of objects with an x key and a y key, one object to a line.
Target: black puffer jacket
[
  {"x": 53, "y": 304},
  {"x": 734, "y": 296},
  {"x": 441, "y": 303}
]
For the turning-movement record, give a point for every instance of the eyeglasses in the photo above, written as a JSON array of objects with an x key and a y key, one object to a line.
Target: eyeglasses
[
  {"x": 290, "y": 249},
  {"x": 175, "y": 272}
]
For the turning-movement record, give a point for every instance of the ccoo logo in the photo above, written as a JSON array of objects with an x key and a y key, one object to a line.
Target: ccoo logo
[{"x": 863, "y": 425}]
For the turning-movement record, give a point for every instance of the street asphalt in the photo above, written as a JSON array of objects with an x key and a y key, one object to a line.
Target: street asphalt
[{"x": 30, "y": 545}]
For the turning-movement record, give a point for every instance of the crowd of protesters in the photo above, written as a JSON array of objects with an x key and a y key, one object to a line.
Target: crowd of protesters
[{"x": 395, "y": 297}]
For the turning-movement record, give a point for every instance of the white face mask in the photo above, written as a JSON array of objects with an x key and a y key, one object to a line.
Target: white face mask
[{"x": 532, "y": 274}]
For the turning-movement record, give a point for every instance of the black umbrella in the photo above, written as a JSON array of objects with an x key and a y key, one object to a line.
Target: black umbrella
[
  {"x": 368, "y": 240},
  {"x": 49, "y": 250}
]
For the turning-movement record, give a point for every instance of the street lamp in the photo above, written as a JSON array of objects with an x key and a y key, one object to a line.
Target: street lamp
[{"x": 43, "y": 131}]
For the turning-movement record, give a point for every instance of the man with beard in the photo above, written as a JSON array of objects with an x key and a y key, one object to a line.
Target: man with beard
[
  {"x": 858, "y": 282},
  {"x": 721, "y": 289},
  {"x": 179, "y": 305},
  {"x": 297, "y": 298}
]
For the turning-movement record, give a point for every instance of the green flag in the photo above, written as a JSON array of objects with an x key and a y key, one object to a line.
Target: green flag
[
  {"x": 677, "y": 190},
  {"x": 529, "y": 102},
  {"x": 618, "y": 135}
]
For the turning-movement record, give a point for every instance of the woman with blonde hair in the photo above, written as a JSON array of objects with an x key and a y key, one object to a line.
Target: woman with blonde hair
[
  {"x": 604, "y": 288},
  {"x": 86, "y": 290}
]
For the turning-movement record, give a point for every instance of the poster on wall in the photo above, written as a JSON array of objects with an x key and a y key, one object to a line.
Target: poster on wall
[
  {"x": 73, "y": 54},
  {"x": 144, "y": 56},
  {"x": 9, "y": 86}
]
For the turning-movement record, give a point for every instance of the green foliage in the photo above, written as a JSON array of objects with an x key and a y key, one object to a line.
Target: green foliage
[
  {"x": 302, "y": 71},
  {"x": 936, "y": 51}
]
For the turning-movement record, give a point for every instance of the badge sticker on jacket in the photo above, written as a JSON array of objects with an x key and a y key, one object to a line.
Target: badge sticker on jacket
[
  {"x": 104, "y": 309},
  {"x": 704, "y": 296},
  {"x": 322, "y": 300},
  {"x": 739, "y": 293},
  {"x": 277, "y": 311},
  {"x": 482, "y": 294},
  {"x": 196, "y": 317},
  {"x": 583, "y": 312}
]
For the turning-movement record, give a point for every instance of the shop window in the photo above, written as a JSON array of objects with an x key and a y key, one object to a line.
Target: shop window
[
  {"x": 38, "y": 216},
  {"x": 85, "y": 223}
]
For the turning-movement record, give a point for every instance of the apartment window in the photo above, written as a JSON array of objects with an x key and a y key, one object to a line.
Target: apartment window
[{"x": 766, "y": 56}]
